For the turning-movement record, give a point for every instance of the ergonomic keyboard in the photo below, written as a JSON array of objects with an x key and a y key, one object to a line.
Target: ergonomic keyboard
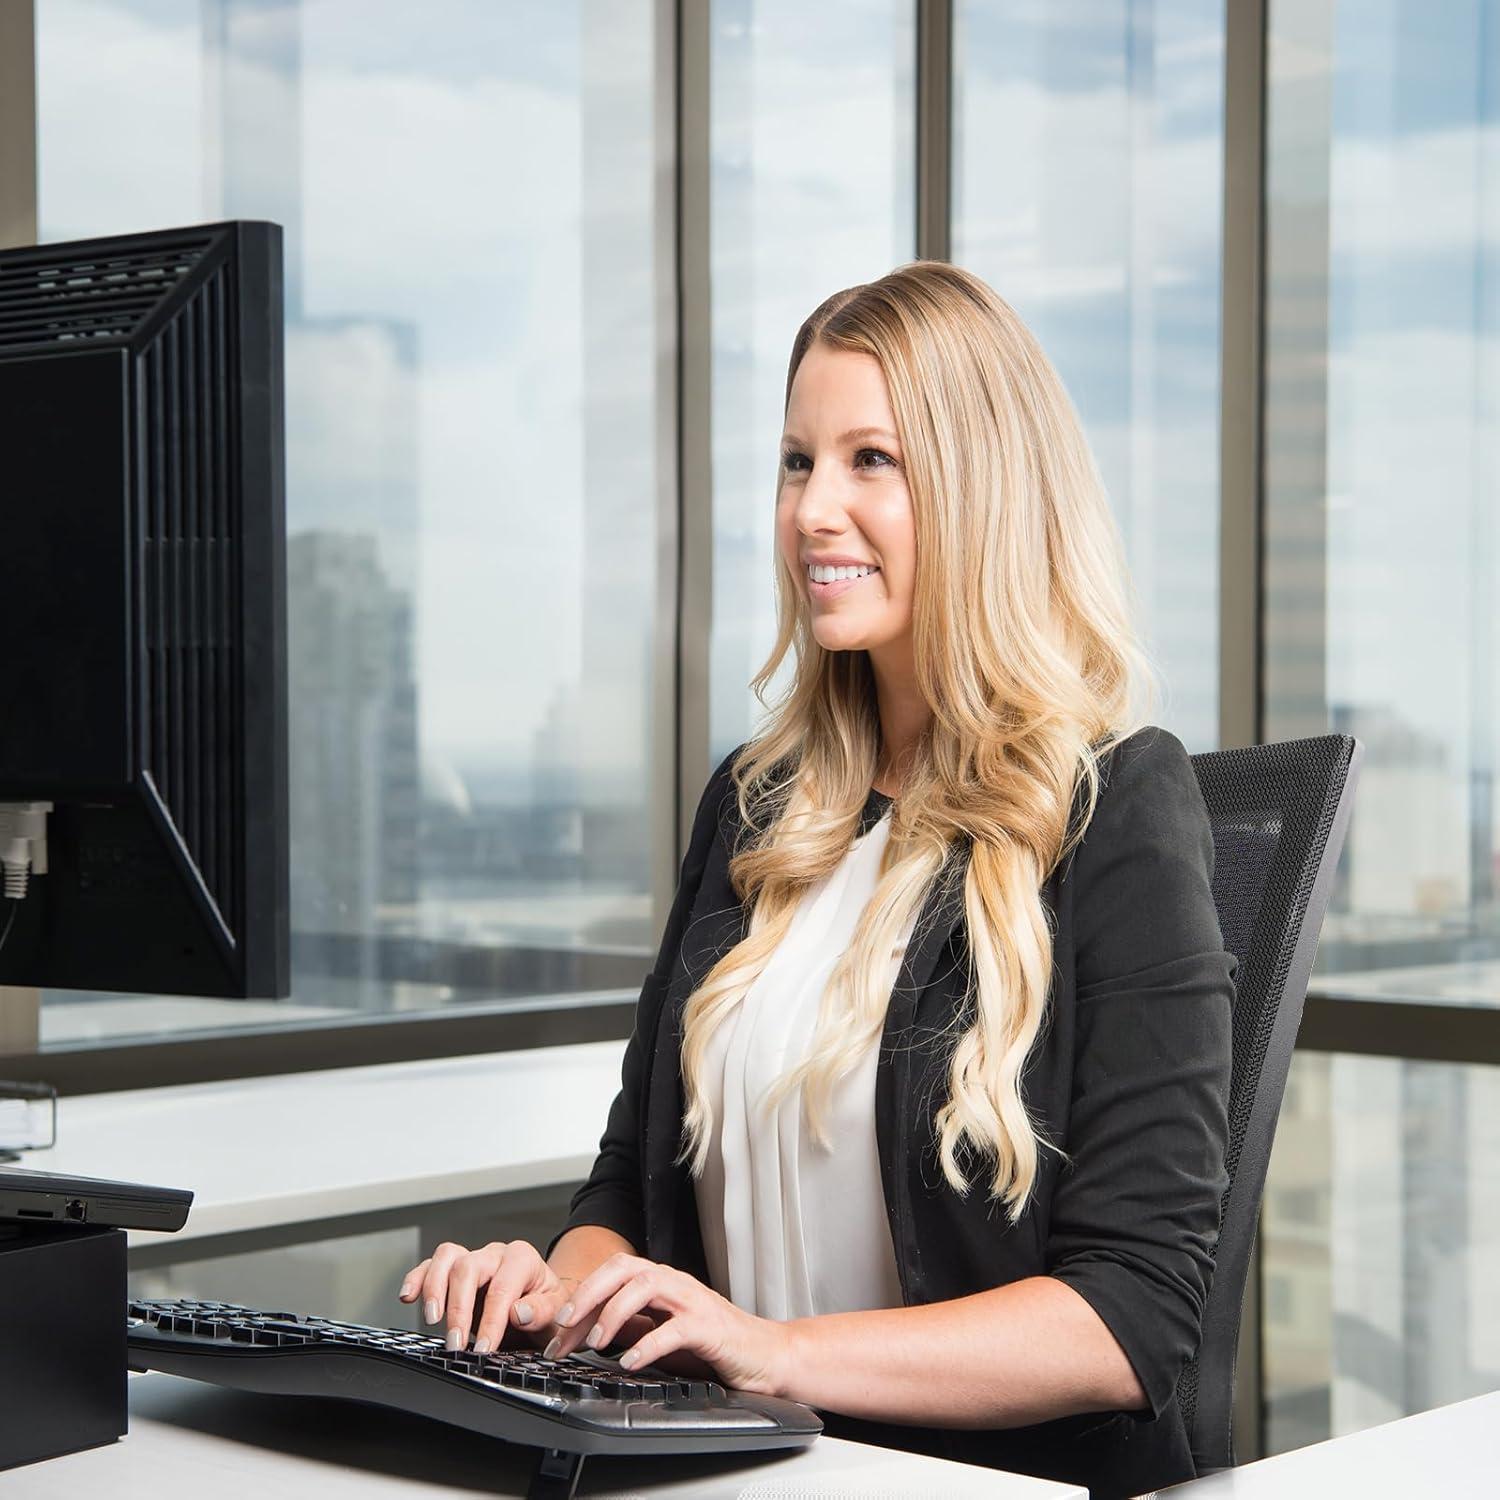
[{"x": 583, "y": 1403}]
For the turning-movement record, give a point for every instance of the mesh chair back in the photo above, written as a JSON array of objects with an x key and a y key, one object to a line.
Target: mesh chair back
[{"x": 1279, "y": 814}]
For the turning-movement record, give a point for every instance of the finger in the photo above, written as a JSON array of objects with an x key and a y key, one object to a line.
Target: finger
[
  {"x": 411, "y": 1283},
  {"x": 599, "y": 1285},
  {"x": 666, "y": 1338},
  {"x": 644, "y": 1291},
  {"x": 652, "y": 1287},
  {"x": 435, "y": 1283},
  {"x": 463, "y": 1281},
  {"x": 514, "y": 1276}
]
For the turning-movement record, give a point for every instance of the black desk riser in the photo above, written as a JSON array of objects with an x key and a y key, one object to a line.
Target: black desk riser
[{"x": 62, "y": 1356}]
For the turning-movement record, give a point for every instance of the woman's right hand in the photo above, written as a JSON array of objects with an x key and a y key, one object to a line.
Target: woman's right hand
[{"x": 520, "y": 1292}]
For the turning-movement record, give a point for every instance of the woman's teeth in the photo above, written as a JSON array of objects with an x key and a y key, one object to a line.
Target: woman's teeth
[{"x": 832, "y": 575}]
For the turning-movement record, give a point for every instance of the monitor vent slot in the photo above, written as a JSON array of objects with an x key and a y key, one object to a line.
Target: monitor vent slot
[
  {"x": 70, "y": 298},
  {"x": 190, "y": 696}
]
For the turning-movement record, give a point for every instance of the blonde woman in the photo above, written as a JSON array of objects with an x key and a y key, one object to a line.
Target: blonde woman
[{"x": 923, "y": 1121}]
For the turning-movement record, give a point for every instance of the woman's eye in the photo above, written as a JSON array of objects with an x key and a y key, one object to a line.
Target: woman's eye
[{"x": 793, "y": 461}]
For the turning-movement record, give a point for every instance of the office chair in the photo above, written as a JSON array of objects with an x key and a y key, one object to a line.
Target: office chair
[{"x": 1279, "y": 814}]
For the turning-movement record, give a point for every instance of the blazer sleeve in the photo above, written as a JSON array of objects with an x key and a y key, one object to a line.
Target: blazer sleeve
[
  {"x": 612, "y": 1195},
  {"x": 1135, "y": 1215}
]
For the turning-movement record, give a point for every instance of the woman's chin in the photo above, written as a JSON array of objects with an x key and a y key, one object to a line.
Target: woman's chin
[{"x": 836, "y": 635}]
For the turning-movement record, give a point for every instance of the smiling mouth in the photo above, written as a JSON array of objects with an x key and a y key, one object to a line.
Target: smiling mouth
[{"x": 839, "y": 585}]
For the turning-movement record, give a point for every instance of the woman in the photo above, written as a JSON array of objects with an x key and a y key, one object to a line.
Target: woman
[{"x": 923, "y": 1120}]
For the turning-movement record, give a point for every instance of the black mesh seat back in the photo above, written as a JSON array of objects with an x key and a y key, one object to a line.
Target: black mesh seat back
[{"x": 1279, "y": 814}]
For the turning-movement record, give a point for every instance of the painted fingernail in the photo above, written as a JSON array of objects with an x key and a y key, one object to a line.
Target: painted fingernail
[
  {"x": 455, "y": 1338},
  {"x": 407, "y": 1289},
  {"x": 430, "y": 1312},
  {"x": 566, "y": 1315},
  {"x": 596, "y": 1337},
  {"x": 523, "y": 1312},
  {"x": 550, "y": 1352},
  {"x": 481, "y": 1345},
  {"x": 628, "y": 1358}
]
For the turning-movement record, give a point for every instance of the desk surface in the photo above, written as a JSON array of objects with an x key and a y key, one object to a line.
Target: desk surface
[
  {"x": 188, "y": 1439},
  {"x": 1453, "y": 1451},
  {"x": 300, "y": 1147}
]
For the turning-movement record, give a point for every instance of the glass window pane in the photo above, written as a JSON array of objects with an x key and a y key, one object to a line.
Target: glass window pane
[
  {"x": 1088, "y": 172},
  {"x": 468, "y": 193},
  {"x": 1380, "y": 1234},
  {"x": 1382, "y": 379},
  {"x": 1383, "y": 214},
  {"x": 812, "y": 181}
]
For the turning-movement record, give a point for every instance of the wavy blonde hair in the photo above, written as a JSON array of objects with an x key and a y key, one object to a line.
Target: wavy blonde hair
[{"x": 1026, "y": 653}]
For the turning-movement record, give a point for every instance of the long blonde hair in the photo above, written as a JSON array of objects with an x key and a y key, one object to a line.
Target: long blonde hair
[{"x": 1028, "y": 657}]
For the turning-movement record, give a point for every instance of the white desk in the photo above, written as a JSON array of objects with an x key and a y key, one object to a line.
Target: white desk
[
  {"x": 1453, "y": 1451},
  {"x": 297, "y": 1148},
  {"x": 188, "y": 1439}
]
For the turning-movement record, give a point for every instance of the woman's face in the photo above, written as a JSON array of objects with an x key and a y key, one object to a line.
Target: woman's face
[{"x": 843, "y": 499}]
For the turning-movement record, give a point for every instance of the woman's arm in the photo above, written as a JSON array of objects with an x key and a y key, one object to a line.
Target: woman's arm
[
  {"x": 1007, "y": 1357},
  {"x": 1134, "y": 1219}
]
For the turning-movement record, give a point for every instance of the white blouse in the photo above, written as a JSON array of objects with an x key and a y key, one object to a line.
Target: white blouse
[{"x": 789, "y": 1229}]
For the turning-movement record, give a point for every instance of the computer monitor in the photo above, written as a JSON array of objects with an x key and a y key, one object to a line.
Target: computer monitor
[{"x": 142, "y": 609}]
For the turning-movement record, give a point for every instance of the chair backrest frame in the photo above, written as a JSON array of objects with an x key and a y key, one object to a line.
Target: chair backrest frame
[{"x": 1317, "y": 777}]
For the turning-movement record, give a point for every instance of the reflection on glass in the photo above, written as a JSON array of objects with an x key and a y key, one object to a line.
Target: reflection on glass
[
  {"x": 467, "y": 197},
  {"x": 1087, "y": 182},
  {"x": 813, "y": 189},
  {"x": 1383, "y": 206},
  {"x": 1381, "y": 1232},
  {"x": 1381, "y": 389}
]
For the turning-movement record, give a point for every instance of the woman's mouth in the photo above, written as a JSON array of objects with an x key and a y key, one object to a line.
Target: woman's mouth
[{"x": 837, "y": 586}]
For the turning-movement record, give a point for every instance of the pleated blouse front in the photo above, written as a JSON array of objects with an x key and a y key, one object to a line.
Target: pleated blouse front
[{"x": 791, "y": 1229}]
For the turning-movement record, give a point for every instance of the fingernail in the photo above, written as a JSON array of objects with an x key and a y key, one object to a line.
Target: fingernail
[
  {"x": 455, "y": 1338},
  {"x": 628, "y": 1358},
  {"x": 566, "y": 1315},
  {"x": 550, "y": 1352},
  {"x": 430, "y": 1312},
  {"x": 481, "y": 1345},
  {"x": 596, "y": 1337},
  {"x": 407, "y": 1289},
  {"x": 523, "y": 1312}
]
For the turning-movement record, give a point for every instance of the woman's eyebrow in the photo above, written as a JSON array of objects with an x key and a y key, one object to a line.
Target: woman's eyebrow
[{"x": 853, "y": 432}]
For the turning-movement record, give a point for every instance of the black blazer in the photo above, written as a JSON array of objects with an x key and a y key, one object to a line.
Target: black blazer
[{"x": 1130, "y": 1077}]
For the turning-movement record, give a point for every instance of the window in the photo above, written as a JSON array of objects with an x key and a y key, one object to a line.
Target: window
[
  {"x": 1388, "y": 1303},
  {"x": 1381, "y": 381},
  {"x": 1088, "y": 174},
  {"x": 813, "y": 189},
  {"x": 1381, "y": 465},
  {"x": 473, "y": 380}
]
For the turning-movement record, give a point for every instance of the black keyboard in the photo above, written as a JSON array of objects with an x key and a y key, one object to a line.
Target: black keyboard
[{"x": 584, "y": 1403}]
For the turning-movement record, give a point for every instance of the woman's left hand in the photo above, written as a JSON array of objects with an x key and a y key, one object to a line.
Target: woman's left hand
[{"x": 745, "y": 1352}]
